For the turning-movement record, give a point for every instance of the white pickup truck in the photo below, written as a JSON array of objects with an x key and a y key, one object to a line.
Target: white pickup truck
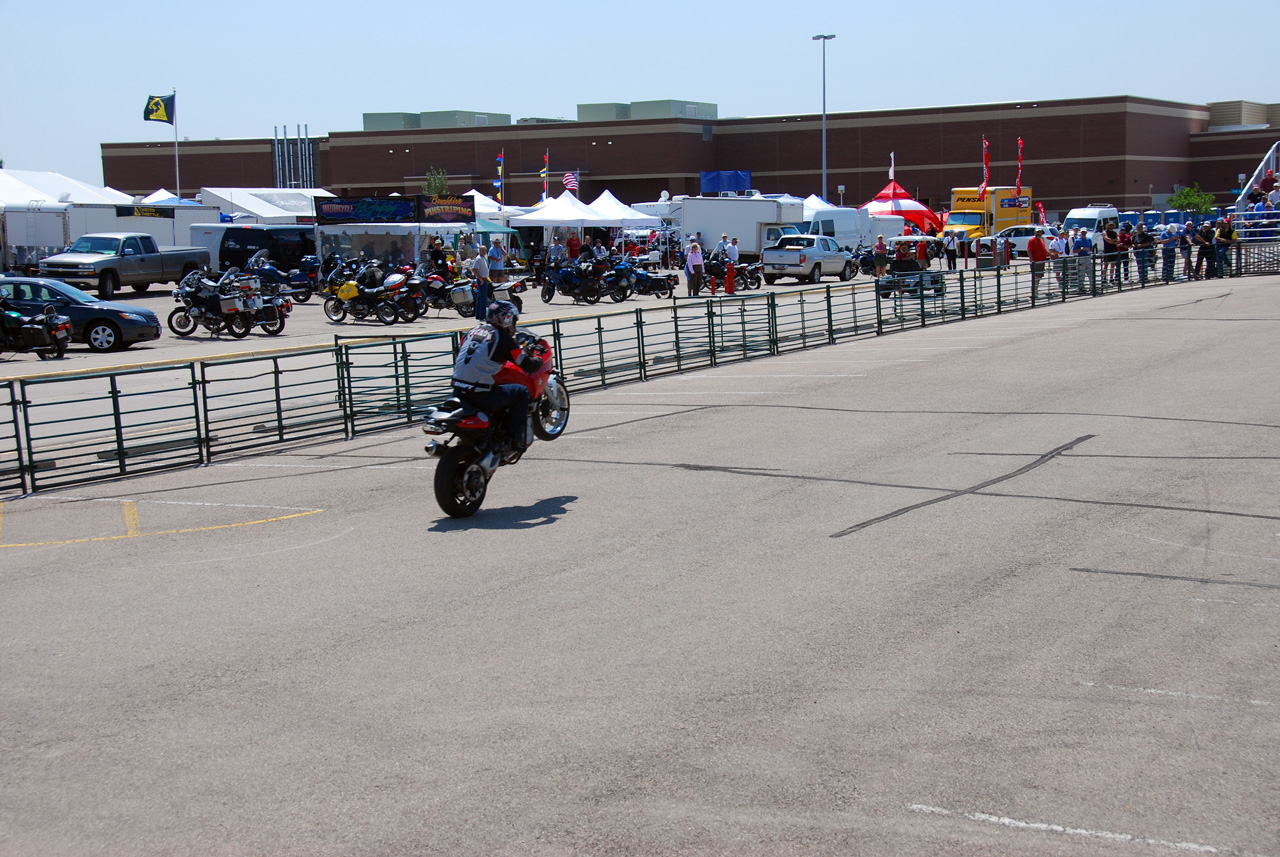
[{"x": 807, "y": 258}]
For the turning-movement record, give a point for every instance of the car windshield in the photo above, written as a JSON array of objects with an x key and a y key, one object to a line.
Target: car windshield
[
  {"x": 965, "y": 218},
  {"x": 1080, "y": 223},
  {"x": 91, "y": 244}
]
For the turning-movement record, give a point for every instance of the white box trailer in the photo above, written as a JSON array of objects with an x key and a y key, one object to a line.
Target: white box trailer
[
  {"x": 42, "y": 229},
  {"x": 756, "y": 221}
]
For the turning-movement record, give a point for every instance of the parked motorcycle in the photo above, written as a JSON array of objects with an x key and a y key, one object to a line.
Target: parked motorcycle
[
  {"x": 297, "y": 285},
  {"x": 235, "y": 303},
  {"x": 366, "y": 295},
  {"x": 45, "y": 335},
  {"x": 468, "y": 463},
  {"x": 462, "y": 294},
  {"x": 579, "y": 280}
]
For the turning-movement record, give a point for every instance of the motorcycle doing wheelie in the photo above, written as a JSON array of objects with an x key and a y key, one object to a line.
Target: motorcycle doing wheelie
[
  {"x": 468, "y": 463},
  {"x": 45, "y": 335}
]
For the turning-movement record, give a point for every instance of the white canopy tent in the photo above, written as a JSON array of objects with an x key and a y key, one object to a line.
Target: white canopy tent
[
  {"x": 265, "y": 204},
  {"x": 813, "y": 204},
  {"x": 18, "y": 187},
  {"x": 488, "y": 208},
  {"x": 610, "y": 206},
  {"x": 565, "y": 210}
]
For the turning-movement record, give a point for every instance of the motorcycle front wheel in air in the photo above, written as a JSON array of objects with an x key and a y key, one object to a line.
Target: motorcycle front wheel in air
[
  {"x": 334, "y": 310},
  {"x": 551, "y": 411},
  {"x": 181, "y": 322},
  {"x": 460, "y": 482}
]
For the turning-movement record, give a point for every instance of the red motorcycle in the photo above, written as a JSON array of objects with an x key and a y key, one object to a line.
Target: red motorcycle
[{"x": 467, "y": 465}]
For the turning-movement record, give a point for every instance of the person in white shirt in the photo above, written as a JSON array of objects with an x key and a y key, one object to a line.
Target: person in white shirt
[
  {"x": 732, "y": 251},
  {"x": 1057, "y": 251}
]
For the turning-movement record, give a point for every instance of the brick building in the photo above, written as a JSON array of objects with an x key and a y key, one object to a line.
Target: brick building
[{"x": 1121, "y": 149}]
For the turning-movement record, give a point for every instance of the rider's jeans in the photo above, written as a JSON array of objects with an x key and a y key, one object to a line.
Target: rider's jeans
[{"x": 514, "y": 398}]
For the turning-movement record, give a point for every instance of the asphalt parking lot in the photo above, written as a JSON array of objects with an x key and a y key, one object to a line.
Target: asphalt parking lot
[{"x": 1007, "y": 586}]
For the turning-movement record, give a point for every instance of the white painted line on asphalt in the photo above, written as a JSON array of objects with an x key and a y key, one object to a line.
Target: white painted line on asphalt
[
  {"x": 1238, "y": 603},
  {"x": 1202, "y": 549},
  {"x": 183, "y": 503},
  {"x": 1175, "y": 693},
  {"x": 1044, "y": 827}
]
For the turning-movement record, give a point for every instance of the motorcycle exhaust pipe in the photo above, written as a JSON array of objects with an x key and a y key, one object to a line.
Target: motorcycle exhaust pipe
[
  {"x": 435, "y": 448},
  {"x": 490, "y": 463}
]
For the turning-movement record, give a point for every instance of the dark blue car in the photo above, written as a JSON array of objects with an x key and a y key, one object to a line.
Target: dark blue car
[{"x": 102, "y": 325}]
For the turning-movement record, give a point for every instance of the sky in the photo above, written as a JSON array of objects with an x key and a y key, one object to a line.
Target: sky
[{"x": 77, "y": 73}]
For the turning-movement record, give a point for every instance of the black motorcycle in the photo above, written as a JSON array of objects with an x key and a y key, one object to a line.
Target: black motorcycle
[
  {"x": 366, "y": 295},
  {"x": 45, "y": 335}
]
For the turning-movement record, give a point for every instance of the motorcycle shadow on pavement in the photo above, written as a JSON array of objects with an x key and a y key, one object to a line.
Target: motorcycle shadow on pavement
[{"x": 539, "y": 514}]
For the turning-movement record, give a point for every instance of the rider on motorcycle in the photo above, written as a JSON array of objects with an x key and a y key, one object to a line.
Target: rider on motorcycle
[{"x": 483, "y": 351}]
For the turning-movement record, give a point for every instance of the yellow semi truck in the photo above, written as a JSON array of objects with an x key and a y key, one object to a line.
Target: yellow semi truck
[{"x": 1002, "y": 207}]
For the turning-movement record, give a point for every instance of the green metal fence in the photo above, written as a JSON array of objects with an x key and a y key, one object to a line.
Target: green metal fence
[{"x": 75, "y": 428}]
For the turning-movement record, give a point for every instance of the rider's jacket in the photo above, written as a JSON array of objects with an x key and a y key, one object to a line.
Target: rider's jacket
[{"x": 483, "y": 351}]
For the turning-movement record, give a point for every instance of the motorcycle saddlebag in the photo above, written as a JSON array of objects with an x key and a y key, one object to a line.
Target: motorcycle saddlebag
[
  {"x": 461, "y": 295},
  {"x": 270, "y": 312},
  {"x": 229, "y": 304},
  {"x": 35, "y": 336}
]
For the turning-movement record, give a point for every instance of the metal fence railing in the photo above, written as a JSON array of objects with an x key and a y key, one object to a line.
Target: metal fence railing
[{"x": 64, "y": 429}]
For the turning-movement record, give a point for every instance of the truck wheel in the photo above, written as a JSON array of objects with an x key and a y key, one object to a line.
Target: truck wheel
[
  {"x": 107, "y": 285},
  {"x": 847, "y": 273},
  {"x": 816, "y": 274},
  {"x": 770, "y": 279},
  {"x": 140, "y": 287}
]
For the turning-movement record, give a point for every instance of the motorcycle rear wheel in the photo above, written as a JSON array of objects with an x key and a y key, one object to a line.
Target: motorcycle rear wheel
[
  {"x": 59, "y": 348},
  {"x": 408, "y": 311},
  {"x": 334, "y": 309},
  {"x": 181, "y": 322},
  {"x": 593, "y": 298},
  {"x": 460, "y": 482},
  {"x": 551, "y": 411},
  {"x": 301, "y": 295},
  {"x": 239, "y": 326}
]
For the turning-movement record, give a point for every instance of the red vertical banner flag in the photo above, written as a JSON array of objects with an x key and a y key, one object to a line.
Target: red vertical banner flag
[
  {"x": 986, "y": 170},
  {"x": 1044, "y": 221},
  {"x": 1018, "y": 184}
]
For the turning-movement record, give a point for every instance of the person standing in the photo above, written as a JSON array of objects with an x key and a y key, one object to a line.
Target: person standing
[
  {"x": 1110, "y": 255},
  {"x": 922, "y": 255},
  {"x": 1038, "y": 253},
  {"x": 1058, "y": 252},
  {"x": 1184, "y": 247},
  {"x": 497, "y": 257},
  {"x": 950, "y": 245},
  {"x": 1206, "y": 254},
  {"x": 880, "y": 253},
  {"x": 480, "y": 269},
  {"x": 1082, "y": 250},
  {"x": 556, "y": 253},
  {"x": 732, "y": 251},
  {"x": 573, "y": 245},
  {"x": 1223, "y": 242},
  {"x": 1168, "y": 254},
  {"x": 693, "y": 269},
  {"x": 1143, "y": 244}
]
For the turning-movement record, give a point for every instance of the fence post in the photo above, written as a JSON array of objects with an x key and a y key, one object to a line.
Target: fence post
[
  {"x": 644, "y": 374},
  {"x": 999, "y": 292},
  {"x": 711, "y": 332},
  {"x": 879, "y": 310},
  {"x": 920, "y": 289},
  {"x": 775, "y": 347},
  {"x": 119, "y": 423},
  {"x": 831, "y": 318},
  {"x": 402, "y": 373},
  {"x": 604, "y": 373},
  {"x": 675, "y": 324},
  {"x": 16, "y": 400},
  {"x": 275, "y": 375},
  {"x": 962, "y": 308},
  {"x": 342, "y": 364}
]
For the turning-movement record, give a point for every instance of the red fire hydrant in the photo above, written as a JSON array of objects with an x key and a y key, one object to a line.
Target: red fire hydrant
[{"x": 728, "y": 278}]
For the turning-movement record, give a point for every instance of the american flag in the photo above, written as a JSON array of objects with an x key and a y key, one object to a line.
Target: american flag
[{"x": 570, "y": 181}]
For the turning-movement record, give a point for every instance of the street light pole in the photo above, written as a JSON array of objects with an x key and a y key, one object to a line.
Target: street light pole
[{"x": 824, "y": 40}]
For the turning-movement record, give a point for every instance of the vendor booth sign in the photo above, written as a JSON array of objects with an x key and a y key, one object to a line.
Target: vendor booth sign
[
  {"x": 383, "y": 209},
  {"x": 448, "y": 209}
]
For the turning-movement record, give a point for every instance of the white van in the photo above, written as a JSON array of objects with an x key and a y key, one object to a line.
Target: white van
[
  {"x": 852, "y": 227},
  {"x": 1094, "y": 217}
]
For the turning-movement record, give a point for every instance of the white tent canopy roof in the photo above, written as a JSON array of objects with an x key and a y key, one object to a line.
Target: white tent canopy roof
[
  {"x": 565, "y": 210},
  {"x": 813, "y": 204},
  {"x": 610, "y": 206},
  {"x": 268, "y": 204},
  {"x": 19, "y": 187}
]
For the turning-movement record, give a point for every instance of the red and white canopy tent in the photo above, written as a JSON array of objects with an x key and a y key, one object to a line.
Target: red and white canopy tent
[{"x": 894, "y": 199}]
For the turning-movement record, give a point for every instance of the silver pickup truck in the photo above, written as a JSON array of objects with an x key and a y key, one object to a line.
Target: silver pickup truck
[
  {"x": 807, "y": 258},
  {"x": 108, "y": 260}
]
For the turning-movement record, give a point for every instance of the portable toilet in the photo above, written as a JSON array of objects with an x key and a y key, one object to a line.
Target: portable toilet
[
  {"x": 1151, "y": 218},
  {"x": 1131, "y": 217},
  {"x": 1172, "y": 215}
]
